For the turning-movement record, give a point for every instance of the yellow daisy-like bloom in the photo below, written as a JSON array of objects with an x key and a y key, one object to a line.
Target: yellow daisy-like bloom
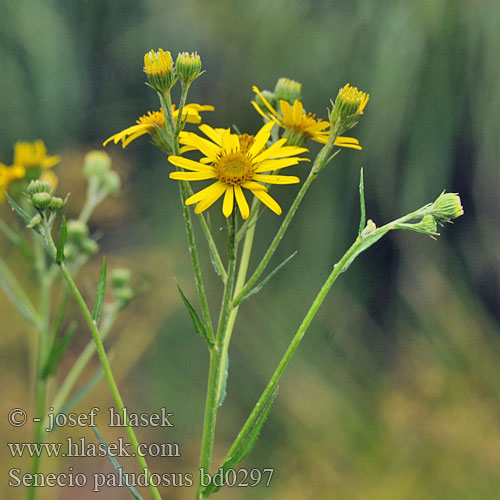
[
  {"x": 149, "y": 124},
  {"x": 236, "y": 162},
  {"x": 34, "y": 154},
  {"x": 300, "y": 126},
  {"x": 8, "y": 175}
]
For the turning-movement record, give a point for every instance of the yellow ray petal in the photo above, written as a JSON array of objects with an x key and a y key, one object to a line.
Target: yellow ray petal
[
  {"x": 261, "y": 139},
  {"x": 179, "y": 161},
  {"x": 242, "y": 202},
  {"x": 271, "y": 165},
  {"x": 227, "y": 206},
  {"x": 268, "y": 201},
  {"x": 253, "y": 186},
  {"x": 218, "y": 189},
  {"x": 277, "y": 179},
  {"x": 192, "y": 176}
]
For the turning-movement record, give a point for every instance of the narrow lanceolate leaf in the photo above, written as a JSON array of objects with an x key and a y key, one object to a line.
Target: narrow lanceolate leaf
[
  {"x": 56, "y": 352},
  {"x": 21, "y": 212},
  {"x": 101, "y": 290},
  {"x": 135, "y": 494},
  {"x": 198, "y": 324},
  {"x": 62, "y": 242},
  {"x": 247, "y": 443},
  {"x": 263, "y": 283},
  {"x": 362, "y": 221}
]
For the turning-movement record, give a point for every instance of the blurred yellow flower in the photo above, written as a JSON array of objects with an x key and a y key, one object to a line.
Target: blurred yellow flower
[
  {"x": 298, "y": 125},
  {"x": 8, "y": 175},
  {"x": 235, "y": 162},
  {"x": 149, "y": 124},
  {"x": 34, "y": 154}
]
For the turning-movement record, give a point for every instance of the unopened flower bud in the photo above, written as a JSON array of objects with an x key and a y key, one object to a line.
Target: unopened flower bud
[
  {"x": 159, "y": 69},
  {"x": 96, "y": 163},
  {"x": 188, "y": 66},
  {"x": 77, "y": 230},
  {"x": 111, "y": 181},
  {"x": 41, "y": 200},
  {"x": 428, "y": 224},
  {"x": 269, "y": 96},
  {"x": 37, "y": 186},
  {"x": 35, "y": 221},
  {"x": 448, "y": 206},
  {"x": 89, "y": 246},
  {"x": 287, "y": 90},
  {"x": 120, "y": 278},
  {"x": 57, "y": 203},
  {"x": 349, "y": 105},
  {"x": 124, "y": 295}
]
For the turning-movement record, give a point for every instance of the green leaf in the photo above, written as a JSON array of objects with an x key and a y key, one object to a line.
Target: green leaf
[
  {"x": 101, "y": 290},
  {"x": 56, "y": 352},
  {"x": 198, "y": 324},
  {"x": 21, "y": 212},
  {"x": 62, "y": 241},
  {"x": 261, "y": 285},
  {"x": 135, "y": 494},
  {"x": 247, "y": 443},
  {"x": 362, "y": 221},
  {"x": 223, "y": 387}
]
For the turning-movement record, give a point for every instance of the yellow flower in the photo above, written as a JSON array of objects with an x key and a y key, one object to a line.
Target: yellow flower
[
  {"x": 33, "y": 154},
  {"x": 159, "y": 69},
  {"x": 8, "y": 175},
  {"x": 236, "y": 162},
  {"x": 298, "y": 125},
  {"x": 155, "y": 120}
]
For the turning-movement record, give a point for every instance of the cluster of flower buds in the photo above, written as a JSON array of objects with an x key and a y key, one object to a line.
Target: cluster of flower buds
[
  {"x": 348, "y": 106},
  {"x": 120, "y": 283},
  {"x": 78, "y": 242},
  {"x": 41, "y": 197},
  {"x": 163, "y": 75},
  {"x": 97, "y": 169}
]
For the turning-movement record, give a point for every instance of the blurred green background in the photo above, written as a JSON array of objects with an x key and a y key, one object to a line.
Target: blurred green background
[{"x": 394, "y": 393}]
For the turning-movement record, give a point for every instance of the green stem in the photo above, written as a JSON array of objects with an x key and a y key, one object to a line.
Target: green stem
[
  {"x": 104, "y": 363},
  {"x": 80, "y": 364},
  {"x": 319, "y": 163},
  {"x": 216, "y": 366},
  {"x": 240, "y": 282},
  {"x": 43, "y": 346}
]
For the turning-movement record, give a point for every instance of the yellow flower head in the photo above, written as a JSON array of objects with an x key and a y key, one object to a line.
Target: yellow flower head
[
  {"x": 8, "y": 175},
  {"x": 351, "y": 101},
  {"x": 34, "y": 154},
  {"x": 154, "y": 124},
  {"x": 235, "y": 162},
  {"x": 159, "y": 69},
  {"x": 298, "y": 125}
]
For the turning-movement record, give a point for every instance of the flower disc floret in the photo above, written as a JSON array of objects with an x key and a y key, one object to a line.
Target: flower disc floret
[{"x": 235, "y": 162}]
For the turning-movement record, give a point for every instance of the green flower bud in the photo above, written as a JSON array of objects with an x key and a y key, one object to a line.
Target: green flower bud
[
  {"x": 57, "y": 203},
  {"x": 89, "y": 246},
  {"x": 188, "y": 66},
  {"x": 448, "y": 206},
  {"x": 369, "y": 228},
  {"x": 120, "y": 278},
  {"x": 428, "y": 224},
  {"x": 37, "y": 186},
  {"x": 111, "y": 182},
  {"x": 269, "y": 96},
  {"x": 70, "y": 251},
  {"x": 96, "y": 163},
  {"x": 124, "y": 295},
  {"x": 77, "y": 230},
  {"x": 287, "y": 90},
  {"x": 41, "y": 200},
  {"x": 35, "y": 221}
]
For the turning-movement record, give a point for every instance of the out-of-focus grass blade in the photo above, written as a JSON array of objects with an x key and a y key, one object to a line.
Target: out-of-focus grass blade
[
  {"x": 362, "y": 220},
  {"x": 117, "y": 466},
  {"x": 21, "y": 212},
  {"x": 56, "y": 352},
  {"x": 101, "y": 290}
]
